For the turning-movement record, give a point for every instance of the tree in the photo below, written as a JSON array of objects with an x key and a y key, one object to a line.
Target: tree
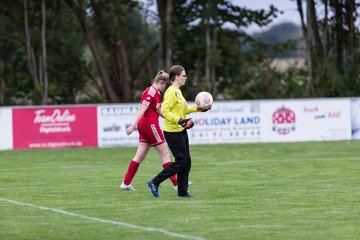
[
  {"x": 44, "y": 54},
  {"x": 80, "y": 11},
  {"x": 203, "y": 22},
  {"x": 332, "y": 47},
  {"x": 165, "y": 10},
  {"x": 114, "y": 32},
  {"x": 24, "y": 33},
  {"x": 40, "y": 75}
]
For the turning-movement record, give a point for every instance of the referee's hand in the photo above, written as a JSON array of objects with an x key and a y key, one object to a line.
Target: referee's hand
[{"x": 186, "y": 123}]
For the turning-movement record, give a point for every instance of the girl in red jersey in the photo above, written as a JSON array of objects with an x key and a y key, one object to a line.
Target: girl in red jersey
[{"x": 150, "y": 134}]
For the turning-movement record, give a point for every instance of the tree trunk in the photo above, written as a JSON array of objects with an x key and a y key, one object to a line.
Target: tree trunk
[
  {"x": 350, "y": 19},
  {"x": 351, "y": 24},
  {"x": 100, "y": 64},
  {"x": 91, "y": 41},
  {"x": 30, "y": 52},
  {"x": 313, "y": 29},
  {"x": 312, "y": 39},
  {"x": 41, "y": 78},
  {"x": 44, "y": 54},
  {"x": 124, "y": 70},
  {"x": 339, "y": 34},
  {"x": 168, "y": 56},
  {"x": 207, "y": 53},
  {"x": 165, "y": 9},
  {"x": 213, "y": 67},
  {"x": 326, "y": 31},
  {"x": 309, "y": 55}
]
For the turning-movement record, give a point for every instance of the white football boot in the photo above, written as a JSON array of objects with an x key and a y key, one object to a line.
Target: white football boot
[{"x": 129, "y": 187}]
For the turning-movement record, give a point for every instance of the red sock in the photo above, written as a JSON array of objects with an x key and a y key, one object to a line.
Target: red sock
[
  {"x": 172, "y": 178},
  {"x": 132, "y": 169}
]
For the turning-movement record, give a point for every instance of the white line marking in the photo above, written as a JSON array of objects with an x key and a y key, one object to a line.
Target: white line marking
[{"x": 123, "y": 224}]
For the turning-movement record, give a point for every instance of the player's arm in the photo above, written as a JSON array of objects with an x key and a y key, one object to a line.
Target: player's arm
[
  {"x": 143, "y": 107},
  {"x": 191, "y": 109}
]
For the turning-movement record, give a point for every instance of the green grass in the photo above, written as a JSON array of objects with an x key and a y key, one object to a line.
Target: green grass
[{"x": 247, "y": 191}]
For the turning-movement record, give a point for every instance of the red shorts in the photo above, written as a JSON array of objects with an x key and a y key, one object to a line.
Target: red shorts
[{"x": 151, "y": 134}]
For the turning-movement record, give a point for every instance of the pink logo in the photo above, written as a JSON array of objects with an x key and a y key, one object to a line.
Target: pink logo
[
  {"x": 55, "y": 117},
  {"x": 311, "y": 109},
  {"x": 283, "y": 120},
  {"x": 56, "y": 122},
  {"x": 334, "y": 114},
  {"x": 55, "y": 127}
]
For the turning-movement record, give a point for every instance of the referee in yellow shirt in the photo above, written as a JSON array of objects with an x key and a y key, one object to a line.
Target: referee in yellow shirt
[{"x": 174, "y": 109}]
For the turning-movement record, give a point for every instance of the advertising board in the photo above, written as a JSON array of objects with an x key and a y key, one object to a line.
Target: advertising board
[
  {"x": 227, "y": 122},
  {"x": 54, "y": 127},
  {"x": 355, "y": 118},
  {"x": 305, "y": 120},
  {"x": 6, "y": 137},
  {"x": 112, "y": 123}
]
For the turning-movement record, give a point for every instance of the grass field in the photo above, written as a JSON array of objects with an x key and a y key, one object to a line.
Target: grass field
[{"x": 247, "y": 191}]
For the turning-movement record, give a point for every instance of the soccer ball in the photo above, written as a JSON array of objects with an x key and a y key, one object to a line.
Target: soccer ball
[{"x": 204, "y": 100}]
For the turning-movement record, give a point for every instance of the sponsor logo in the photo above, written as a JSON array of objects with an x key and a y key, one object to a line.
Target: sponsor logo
[
  {"x": 56, "y": 144},
  {"x": 56, "y": 122},
  {"x": 247, "y": 120},
  {"x": 112, "y": 128},
  {"x": 283, "y": 120},
  {"x": 233, "y": 109},
  {"x": 336, "y": 114},
  {"x": 311, "y": 109},
  {"x": 320, "y": 116},
  {"x": 118, "y": 111},
  {"x": 212, "y": 121},
  {"x": 329, "y": 115},
  {"x": 55, "y": 117}
]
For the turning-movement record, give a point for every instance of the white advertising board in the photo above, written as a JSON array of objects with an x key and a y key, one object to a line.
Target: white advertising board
[
  {"x": 6, "y": 134},
  {"x": 112, "y": 123},
  {"x": 305, "y": 120},
  {"x": 355, "y": 118},
  {"x": 227, "y": 122}
]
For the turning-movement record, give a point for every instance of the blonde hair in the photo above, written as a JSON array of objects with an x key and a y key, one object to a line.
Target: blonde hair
[{"x": 161, "y": 76}]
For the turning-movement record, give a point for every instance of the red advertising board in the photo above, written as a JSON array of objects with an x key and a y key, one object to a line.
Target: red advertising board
[{"x": 55, "y": 127}]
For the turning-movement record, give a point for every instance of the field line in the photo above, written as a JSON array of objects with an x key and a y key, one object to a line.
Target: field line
[{"x": 94, "y": 219}]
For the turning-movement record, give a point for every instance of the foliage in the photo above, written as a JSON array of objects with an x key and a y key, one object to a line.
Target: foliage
[
  {"x": 66, "y": 66},
  {"x": 332, "y": 47},
  {"x": 12, "y": 48},
  {"x": 208, "y": 38},
  {"x": 225, "y": 55}
]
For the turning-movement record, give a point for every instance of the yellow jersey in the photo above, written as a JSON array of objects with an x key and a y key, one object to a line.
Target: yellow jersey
[{"x": 173, "y": 108}]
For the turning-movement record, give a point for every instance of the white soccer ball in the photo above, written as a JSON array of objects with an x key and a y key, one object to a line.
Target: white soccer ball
[{"x": 204, "y": 100}]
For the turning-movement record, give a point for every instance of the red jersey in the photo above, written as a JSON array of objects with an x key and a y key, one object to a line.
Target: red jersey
[{"x": 151, "y": 98}]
